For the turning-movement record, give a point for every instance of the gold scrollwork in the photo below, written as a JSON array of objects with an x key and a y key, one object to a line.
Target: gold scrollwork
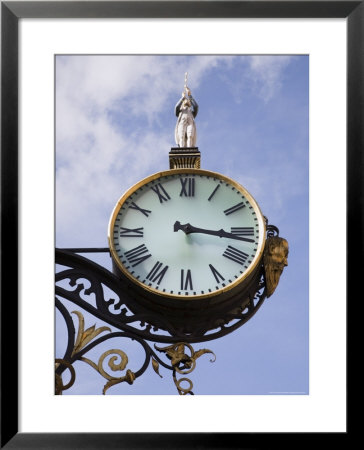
[
  {"x": 182, "y": 356},
  {"x": 129, "y": 377},
  {"x": 182, "y": 362},
  {"x": 83, "y": 338},
  {"x": 86, "y": 336},
  {"x": 180, "y": 389}
]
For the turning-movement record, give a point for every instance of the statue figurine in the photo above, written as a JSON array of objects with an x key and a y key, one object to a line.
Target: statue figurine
[
  {"x": 275, "y": 260},
  {"x": 186, "y": 111}
]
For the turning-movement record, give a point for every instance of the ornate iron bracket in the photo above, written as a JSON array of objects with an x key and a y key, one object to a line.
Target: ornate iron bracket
[
  {"x": 181, "y": 362},
  {"x": 99, "y": 292}
]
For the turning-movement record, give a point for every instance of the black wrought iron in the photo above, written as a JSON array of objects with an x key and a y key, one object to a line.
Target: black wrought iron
[
  {"x": 272, "y": 231},
  {"x": 71, "y": 356},
  {"x": 149, "y": 326},
  {"x": 76, "y": 272},
  {"x": 77, "y": 348},
  {"x": 70, "y": 285}
]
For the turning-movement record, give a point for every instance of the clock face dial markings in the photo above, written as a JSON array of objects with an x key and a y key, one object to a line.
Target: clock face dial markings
[
  {"x": 216, "y": 274},
  {"x": 161, "y": 192},
  {"x": 146, "y": 212},
  {"x": 186, "y": 280},
  {"x": 157, "y": 273},
  {"x": 242, "y": 231},
  {"x": 234, "y": 208},
  {"x": 131, "y": 232},
  {"x": 214, "y": 192},
  {"x": 235, "y": 255},
  {"x": 137, "y": 255},
  {"x": 187, "y": 187},
  {"x": 180, "y": 263}
]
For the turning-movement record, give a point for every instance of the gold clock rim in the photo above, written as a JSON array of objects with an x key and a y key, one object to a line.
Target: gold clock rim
[{"x": 157, "y": 175}]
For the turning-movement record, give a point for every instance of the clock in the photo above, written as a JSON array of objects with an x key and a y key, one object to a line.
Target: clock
[{"x": 188, "y": 243}]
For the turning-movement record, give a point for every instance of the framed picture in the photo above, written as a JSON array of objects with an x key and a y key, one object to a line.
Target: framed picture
[{"x": 27, "y": 246}]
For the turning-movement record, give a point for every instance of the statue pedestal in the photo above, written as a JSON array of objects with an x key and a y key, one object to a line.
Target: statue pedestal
[{"x": 184, "y": 158}]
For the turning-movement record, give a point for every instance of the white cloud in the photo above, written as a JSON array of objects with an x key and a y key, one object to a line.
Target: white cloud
[
  {"x": 99, "y": 155},
  {"x": 262, "y": 75},
  {"x": 267, "y": 72}
]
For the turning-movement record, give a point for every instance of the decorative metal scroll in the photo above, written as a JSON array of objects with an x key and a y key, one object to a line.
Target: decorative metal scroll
[
  {"x": 86, "y": 339},
  {"x": 80, "y": 271},
  {"x": 100, "y": 293}
]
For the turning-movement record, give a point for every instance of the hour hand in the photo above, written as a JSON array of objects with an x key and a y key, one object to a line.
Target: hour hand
[
  {"x": 177, "y": 226},
  {"x": 188, "y": 228}
]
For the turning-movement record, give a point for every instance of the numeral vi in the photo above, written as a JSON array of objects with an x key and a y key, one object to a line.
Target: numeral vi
[{"x": 186, "y": 280}]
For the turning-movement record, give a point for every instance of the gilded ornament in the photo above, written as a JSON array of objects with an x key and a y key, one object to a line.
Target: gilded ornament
[
  {"x": 182, "y": 362},
  {"x": 155, "y": 365},
  {"x": 275, "y": 260},
  {"x": 129, "y": 377},
  {"x": 84, "y": 337}
]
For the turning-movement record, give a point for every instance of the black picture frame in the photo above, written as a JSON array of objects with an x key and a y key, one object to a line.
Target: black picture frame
[{"x": 11, "y": 13}]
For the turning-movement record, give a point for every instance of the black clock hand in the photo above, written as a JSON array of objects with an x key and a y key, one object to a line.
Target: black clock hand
[{"x": 188, "y": 229}]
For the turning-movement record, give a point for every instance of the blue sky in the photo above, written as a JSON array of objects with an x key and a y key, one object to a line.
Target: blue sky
[{"x": 115, "y": 125}]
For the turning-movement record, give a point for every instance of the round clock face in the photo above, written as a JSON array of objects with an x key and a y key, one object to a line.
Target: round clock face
[{"x": 187, "y": 233}]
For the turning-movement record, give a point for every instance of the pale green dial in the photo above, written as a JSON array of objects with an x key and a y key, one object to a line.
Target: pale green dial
[{"x": 150, "y": 240}]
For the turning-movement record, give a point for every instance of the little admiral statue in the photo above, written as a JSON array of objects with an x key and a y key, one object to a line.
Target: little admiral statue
[{"x": 186, "y": 111}]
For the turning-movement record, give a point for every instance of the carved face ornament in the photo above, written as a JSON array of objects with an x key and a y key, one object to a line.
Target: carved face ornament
[{"x": 275, "y": 260}]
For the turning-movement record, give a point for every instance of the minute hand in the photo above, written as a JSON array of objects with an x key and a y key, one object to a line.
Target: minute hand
[{"x": 188, "y": 229}]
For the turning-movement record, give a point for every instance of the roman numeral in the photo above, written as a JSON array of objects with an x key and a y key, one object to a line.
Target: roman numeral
[
  {"x": 137, "y": 255},
  {"x": 131, "y": 232},
  {"x": 235, "y": 255},
  {"x": 161, "y": 192},
  {"x": 243, "y": 231},
  {"x": 146, "y": 212},
  {"x": 234, "y": 208},
  {"x": 188, "y": 187},
  {"x": 216, "y": 274},
  {"x": 157, "y": 273},
  {"x": 186, "y": 282},
  {"x": 214, "y": 192}
]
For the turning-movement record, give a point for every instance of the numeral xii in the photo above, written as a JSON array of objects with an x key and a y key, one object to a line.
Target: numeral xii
[{"x": 187, "y": 187}]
